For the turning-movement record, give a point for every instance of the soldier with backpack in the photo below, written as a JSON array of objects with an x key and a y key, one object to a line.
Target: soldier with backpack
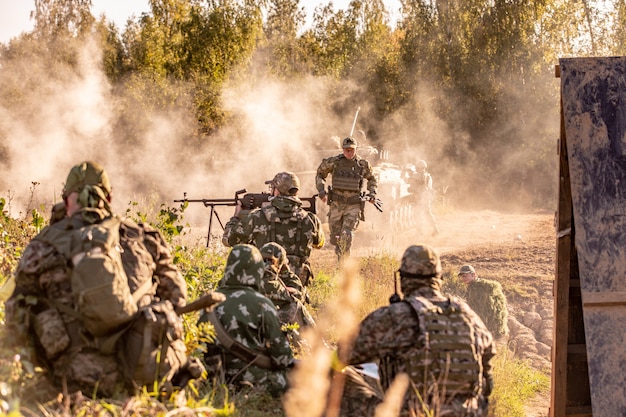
[
  {"x": 435, "y": 339},
  {"x": 283, "y": 221},
  {"x": 95, "y": 297}
]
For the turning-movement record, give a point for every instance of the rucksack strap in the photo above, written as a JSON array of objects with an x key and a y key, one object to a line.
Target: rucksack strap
[{"x": 239, "y": 350}]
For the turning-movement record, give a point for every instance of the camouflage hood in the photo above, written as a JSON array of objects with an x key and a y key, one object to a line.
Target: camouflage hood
[{"x": 244, "y": 268}]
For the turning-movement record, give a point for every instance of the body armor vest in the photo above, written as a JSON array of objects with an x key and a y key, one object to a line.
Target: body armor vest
[
  {"x": 347, "y": 175},
  {"x": 448, "y": 364}
]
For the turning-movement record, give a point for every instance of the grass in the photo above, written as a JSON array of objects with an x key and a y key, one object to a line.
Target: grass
[{"x": 516, "y": 382}]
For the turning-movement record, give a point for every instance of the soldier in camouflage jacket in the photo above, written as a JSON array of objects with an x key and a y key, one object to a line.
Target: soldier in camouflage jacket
[
  {"x": 448, "y": 360},
  {"x": 349, "y": 173},
  {"x": 37, "y": 313},
  {"x": 283, "y": 221},
  {"x": 251, "y": 320}
]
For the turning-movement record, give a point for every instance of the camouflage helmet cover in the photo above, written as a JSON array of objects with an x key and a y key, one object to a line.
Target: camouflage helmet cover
[
  {"x": 84, "y": 174},
  {"x": 349, "y": 143},
  {"x": 420, "y": 261},
  {"x": 244, "y": 266},
  {"x": 274, "y": 251},
  {"x": 287, "y": 183}
]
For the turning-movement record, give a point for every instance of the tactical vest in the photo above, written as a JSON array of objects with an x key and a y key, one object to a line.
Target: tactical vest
[
  {"x": 448, "y": 364},
  {"x": 290, "y": 226},
  {"x": 348, "y": 175}
]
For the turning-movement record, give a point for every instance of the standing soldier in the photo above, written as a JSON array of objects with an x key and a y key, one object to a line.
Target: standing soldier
[
  {"x": 437, "y": 340},
  {"x": 421, "y": 187},
  {"x": 283, "y": 221},
  {"x": 349, "y": 173},
  {"x": 54, "y": 311}
]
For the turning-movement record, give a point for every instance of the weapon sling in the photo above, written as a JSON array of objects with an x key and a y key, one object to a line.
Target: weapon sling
[{"x": 236, "y": 348}]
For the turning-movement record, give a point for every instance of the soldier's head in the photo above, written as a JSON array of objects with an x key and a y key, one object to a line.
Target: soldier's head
[
  {"x": 349, "y": 146},
  {"x": 90, "y": 183},
  {"x": 274, "y": 253},
  {"x": 420, "y": 265},
  {"x": 244, "y": 266},
  {"x": 286, "y": 183},
  {"x": 421, "y": 165},
  {"x": 467, "y": 274}
]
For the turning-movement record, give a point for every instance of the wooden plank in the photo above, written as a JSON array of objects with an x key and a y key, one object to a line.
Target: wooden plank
[
  {"x": 593, "y": 94},
  {"x": 562, "y": 286},
  {"x": 598, "y": 299}
]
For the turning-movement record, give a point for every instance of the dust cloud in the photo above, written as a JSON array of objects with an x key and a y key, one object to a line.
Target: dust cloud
[{"x": 61, "y": 116}]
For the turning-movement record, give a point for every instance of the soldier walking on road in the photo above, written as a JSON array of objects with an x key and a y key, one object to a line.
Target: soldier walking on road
[
  {"x": 421, "y": 188},
  {"x": 349, "y": 173}
]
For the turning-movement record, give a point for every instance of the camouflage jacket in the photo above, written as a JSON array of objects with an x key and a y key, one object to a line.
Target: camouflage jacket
[
  {"x": 487, "y": 299},
  {"x": 251, "y": 319},
  {"x": 361, "y": 166},
  {"x": 40, "y": 304},
  {"x": 285, "y": 222},
  {"x": 391, "y": 335}
]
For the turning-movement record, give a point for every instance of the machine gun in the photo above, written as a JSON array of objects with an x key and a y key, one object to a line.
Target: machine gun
[{"x": 248, "y": 202}]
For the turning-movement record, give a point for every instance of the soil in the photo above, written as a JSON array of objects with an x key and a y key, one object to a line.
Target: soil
[{"x": 517, "y": 249}]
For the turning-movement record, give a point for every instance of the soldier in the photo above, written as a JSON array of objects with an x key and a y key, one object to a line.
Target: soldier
[
  {"x": 44, "y": 312},
  {"x": 487, "y": 299},
  {"x": 349, "y": 173},
  {"x": 421, "y": 187},
  {"x": 287, "y": 298},
  {"x": 250, "y": 348},
  {"x": 283, "y": 221},
  {"x": 437, "y": 340}
]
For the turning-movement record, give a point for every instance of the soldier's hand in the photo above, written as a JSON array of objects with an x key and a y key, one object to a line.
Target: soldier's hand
[
  {"x": 238, "y": 209},
  {"x": 371, "y": 198},
  {"x": 324, "y": 197}
]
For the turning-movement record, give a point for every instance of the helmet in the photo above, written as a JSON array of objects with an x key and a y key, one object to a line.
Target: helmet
[
  {"x": 420, "y": 261},
  {"x": 422, "y": 164},
  {"x": 274, "y": 251},
  {"x": 244, "y": 265},
  {"x": 287, "y": 183},
  {"x": 88, "y": 173},
  {"x": 349, "y": 143}
]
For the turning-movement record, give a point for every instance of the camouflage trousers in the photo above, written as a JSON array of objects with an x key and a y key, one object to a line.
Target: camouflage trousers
[{"x": 343, "y": 220}]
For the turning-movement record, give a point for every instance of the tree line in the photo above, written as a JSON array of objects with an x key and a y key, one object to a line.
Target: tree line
[{"x": 473, "y": 79}]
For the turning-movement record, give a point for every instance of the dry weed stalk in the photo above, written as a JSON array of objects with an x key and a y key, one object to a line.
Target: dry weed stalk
[
  {"x": 394, "y": 397},
  {"x": 312, "y": 391}
]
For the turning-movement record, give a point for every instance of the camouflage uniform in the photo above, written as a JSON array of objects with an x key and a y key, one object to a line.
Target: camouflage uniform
[
  {"x": 251, "y": 320},
  {"x": 288, "y": 300},
  {"x": 421, "y": 188},
  {"x": 344, "y": 197},
  {"x": 487, "y": 299},
  {"x": 395, "y": 337},
  {"x": 283, "y": 221},
  {"x": 39, "y": 311}
]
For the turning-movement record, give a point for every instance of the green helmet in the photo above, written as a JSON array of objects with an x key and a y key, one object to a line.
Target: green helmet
[
  {"x": 88, "y": 173},
  {"x": 244, "y": 266},
  {"x": 274, "y": 251},
  {"x": 287, "y": 183},
  {"x": 420, "y": 261}
]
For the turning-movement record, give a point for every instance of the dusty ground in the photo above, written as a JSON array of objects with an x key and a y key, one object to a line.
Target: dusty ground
[{"x": 516, "y": 249}]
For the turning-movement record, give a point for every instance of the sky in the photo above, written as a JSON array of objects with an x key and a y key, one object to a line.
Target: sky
[{"x": 15, "y": 14}]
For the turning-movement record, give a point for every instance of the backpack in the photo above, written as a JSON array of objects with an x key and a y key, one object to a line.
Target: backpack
[
  {"x": 99, "y": 284},
  {"x": 449, "y": 361}
]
